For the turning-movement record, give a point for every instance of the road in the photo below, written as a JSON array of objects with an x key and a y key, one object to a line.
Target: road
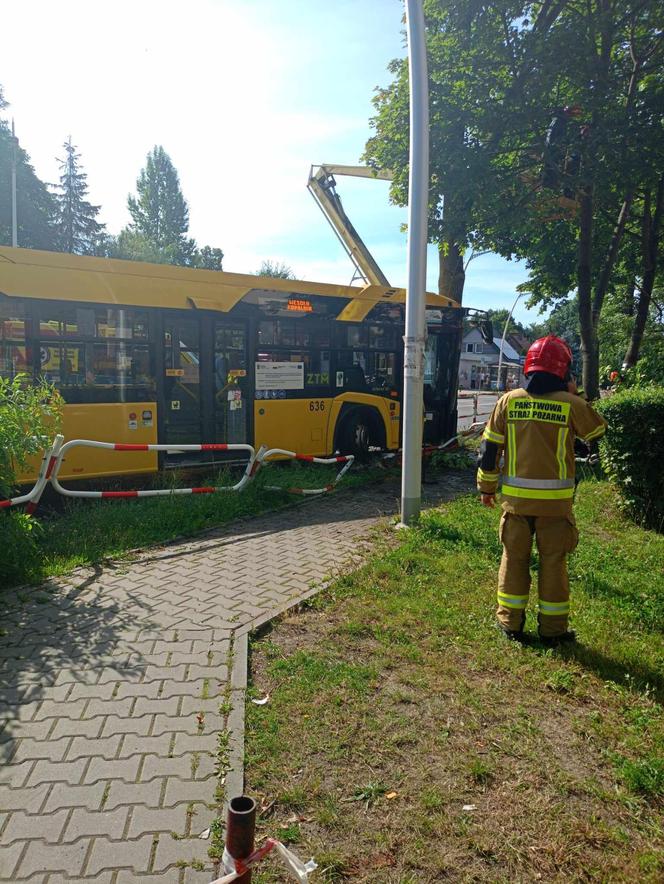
[{"x": 485, "y": 404}]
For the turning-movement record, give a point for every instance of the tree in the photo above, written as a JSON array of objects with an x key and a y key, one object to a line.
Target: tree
[
  {"x": 603, "y": 90},
  {"x": 499, "y": 318},
  {"x": 208, "y": 258},
  {"x": 159, "y": 211},
  {"x": 35, "y": 205},
  {"x": 651, "y": 228},
  {"x": 544, "y": 127},
  {"x": 79, "y": 231},
  {"x": 473, "y": 76},
  {"x": 160, "y": 217},
  {"x": 277, "y": 269}
]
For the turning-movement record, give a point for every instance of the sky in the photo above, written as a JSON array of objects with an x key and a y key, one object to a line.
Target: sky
[{"x": 244, "y": 95}]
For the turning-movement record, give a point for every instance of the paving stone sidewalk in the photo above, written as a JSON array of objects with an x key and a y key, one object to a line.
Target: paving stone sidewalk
[{"x": 114, "y": 690}]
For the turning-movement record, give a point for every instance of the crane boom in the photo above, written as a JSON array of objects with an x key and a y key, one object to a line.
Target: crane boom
[{"x": 322, "y": 186}]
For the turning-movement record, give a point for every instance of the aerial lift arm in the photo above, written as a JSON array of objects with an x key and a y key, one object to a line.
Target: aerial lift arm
[{"x": 323, "y": 189}]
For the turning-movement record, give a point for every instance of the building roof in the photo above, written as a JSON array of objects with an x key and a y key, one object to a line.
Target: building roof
[{"x": 508, "y": 351}]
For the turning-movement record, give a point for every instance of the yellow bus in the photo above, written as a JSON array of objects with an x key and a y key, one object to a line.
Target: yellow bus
[{"x": 156, "y": 353}]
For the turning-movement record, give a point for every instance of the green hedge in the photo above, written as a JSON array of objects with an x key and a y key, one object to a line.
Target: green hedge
[{"x": 633, "y": 451}]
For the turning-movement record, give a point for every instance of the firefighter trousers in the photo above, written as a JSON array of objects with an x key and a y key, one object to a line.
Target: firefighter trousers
[{"x": 556, "y": 537}]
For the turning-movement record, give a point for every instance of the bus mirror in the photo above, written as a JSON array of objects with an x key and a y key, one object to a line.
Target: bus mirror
[{"x": 486, "y": 330}]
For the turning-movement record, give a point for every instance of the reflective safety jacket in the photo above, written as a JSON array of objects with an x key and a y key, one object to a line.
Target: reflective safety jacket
[{"x": 535, "y": 435}]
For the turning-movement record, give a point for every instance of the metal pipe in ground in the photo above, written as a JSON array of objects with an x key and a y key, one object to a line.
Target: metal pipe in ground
[{"x": 240, "y": 831}]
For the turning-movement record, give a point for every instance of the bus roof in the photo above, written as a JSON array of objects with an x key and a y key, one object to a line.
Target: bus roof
[{"x": 60, "y": 276}]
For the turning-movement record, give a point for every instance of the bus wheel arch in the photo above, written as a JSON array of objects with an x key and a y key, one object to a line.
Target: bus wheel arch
[{"x": 359, "y": 427}]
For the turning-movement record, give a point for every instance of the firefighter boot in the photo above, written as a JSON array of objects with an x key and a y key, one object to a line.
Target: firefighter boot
[{"x": 516, "y": 535}]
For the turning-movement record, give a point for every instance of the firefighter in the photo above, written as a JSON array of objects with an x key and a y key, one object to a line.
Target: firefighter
[{"x": 534, "y": 429}]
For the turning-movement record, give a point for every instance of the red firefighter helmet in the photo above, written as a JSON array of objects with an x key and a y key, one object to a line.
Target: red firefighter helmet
[{"x": 549, "y": 354}]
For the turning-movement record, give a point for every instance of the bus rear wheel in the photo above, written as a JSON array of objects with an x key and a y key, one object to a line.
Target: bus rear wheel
[{"x": 356, "y": 439}]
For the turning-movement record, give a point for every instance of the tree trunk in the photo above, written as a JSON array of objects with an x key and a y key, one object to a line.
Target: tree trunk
[
  {"x": 451, "y": 275},
  {"x": 590, "y": 303},
  {"x": 589, "y": 344},
  {"x": 650, "y": 249},
  {"x": 610, "y": 259}
]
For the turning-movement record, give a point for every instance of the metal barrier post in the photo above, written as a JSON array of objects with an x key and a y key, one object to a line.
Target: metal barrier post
[
  {"x": 240, "y": 831},
  {"x": 48, "y": 463}
]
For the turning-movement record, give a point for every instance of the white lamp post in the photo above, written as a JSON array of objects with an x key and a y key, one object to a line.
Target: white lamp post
[{"x": 418, "y": 201}]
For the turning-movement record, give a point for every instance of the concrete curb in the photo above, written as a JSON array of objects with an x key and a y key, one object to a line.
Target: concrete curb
[{"x": 234, "y": 782}]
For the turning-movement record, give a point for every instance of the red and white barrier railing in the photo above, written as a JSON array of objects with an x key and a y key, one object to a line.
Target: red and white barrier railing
[
  {"x": 56, "y": 456},
  {"x": 158, "y": 492},
  {"x": 263, "y": 455},
  {"x": 457, "y": 441},
  {"x": 46, "y": 470},
  {"x": 471, "y": 432}
]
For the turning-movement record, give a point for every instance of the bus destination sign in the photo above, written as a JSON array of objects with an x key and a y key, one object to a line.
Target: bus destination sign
[{"x": 299, "y": 305}]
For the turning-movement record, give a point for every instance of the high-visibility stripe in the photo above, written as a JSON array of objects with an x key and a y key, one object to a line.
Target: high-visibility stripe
[
  {"x": 553, "y": 608},
  {"x": 539, "y": 493},
  {"x": 561, "y": 453},
  {"x": 520, "y": 482},
  {"x": 203, "y": 490},
  {"x": 490, "y": 436},
  {"x": 307, "y": 457},
  {"x": 519, "y": 602},
  {"x": 485, "y": 476},
  {"x": 595, "y": 434},
  {"x": 122, "y": 446},
  {"x": 214, "y": 446},
  {"x": 511, "y": 448}
]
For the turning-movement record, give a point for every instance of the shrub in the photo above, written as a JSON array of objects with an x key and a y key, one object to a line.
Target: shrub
[
  {"x": 29, "y": 416},
  {"x": 633, "y": 451},
  {"x": 21, "y": 558}
]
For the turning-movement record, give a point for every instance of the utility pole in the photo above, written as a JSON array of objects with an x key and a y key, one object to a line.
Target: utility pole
[
  {"x": 14, "y": 211},
  {"x": 418, "y": 200}
]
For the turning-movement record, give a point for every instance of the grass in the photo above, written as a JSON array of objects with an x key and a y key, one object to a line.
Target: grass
[
  {"x": 406, "y": 740},
  {"x": 89, "y": 531}
]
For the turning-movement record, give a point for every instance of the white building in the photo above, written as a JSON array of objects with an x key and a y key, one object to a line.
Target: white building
[{"x": 478, "y": 365}]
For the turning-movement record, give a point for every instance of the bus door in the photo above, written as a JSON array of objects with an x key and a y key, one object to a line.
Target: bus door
[
  {"x": 441, "y": 370},
  {"x": 182, "y": 381},
  {"x": 231, "y": 383}
]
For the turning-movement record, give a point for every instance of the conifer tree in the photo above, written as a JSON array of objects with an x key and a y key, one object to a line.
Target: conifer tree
[
  {"x": 160, "y": 217},
  {"x": 159, "y": 211},
  {"x": 79, "y": 231}
]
